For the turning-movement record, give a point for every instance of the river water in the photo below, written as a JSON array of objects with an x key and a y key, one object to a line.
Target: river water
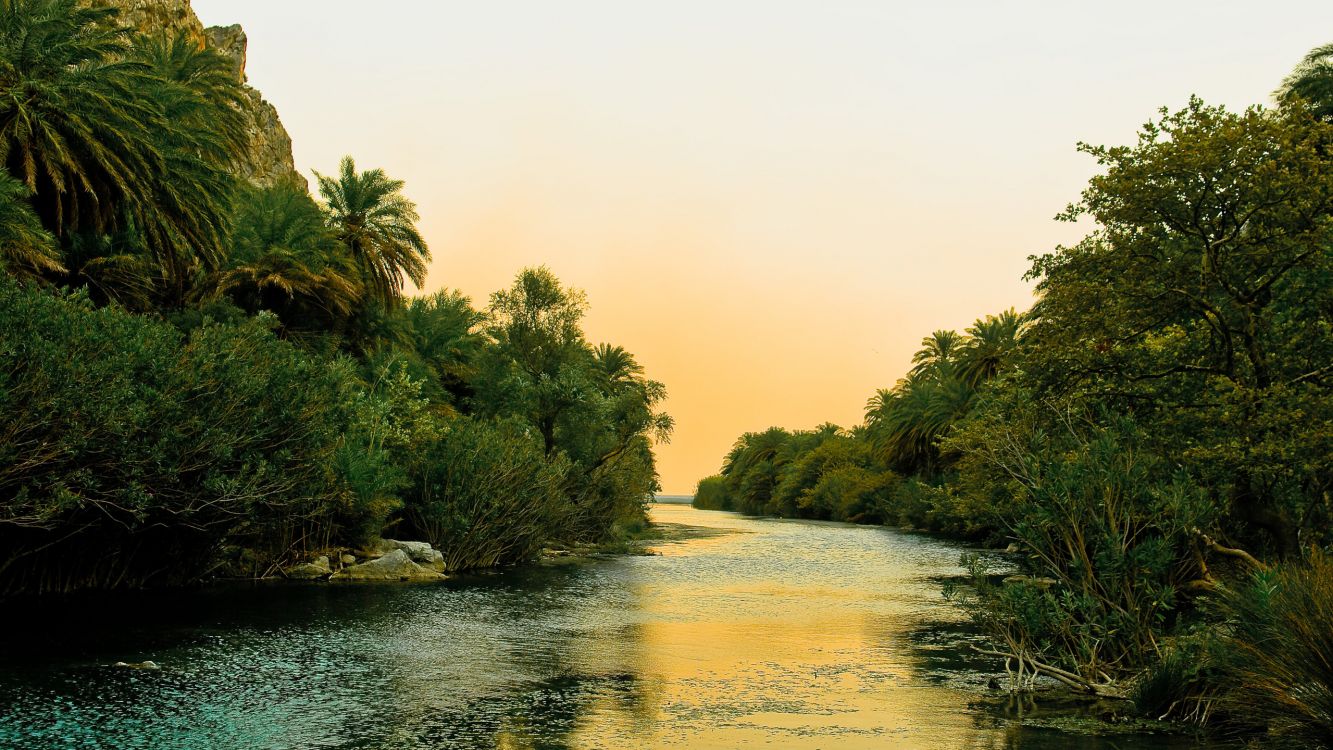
[{"x": 762, "y": 633}]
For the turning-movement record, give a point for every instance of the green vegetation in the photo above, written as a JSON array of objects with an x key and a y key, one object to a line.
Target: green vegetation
[
  {"x": 1154, "y": 437},
  {"x": 200, "y": 376}
]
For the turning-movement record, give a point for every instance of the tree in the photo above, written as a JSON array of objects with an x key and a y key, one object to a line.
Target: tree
[
  {"x": 539, "y": 365},
  {"x": 26, "y": 249},
  {"x": 1204, "y": 303},
  {"x": 88, "y": 126},
  {"x": 989, "y": 346},
  {"x": 377, "y": 224},
  {"x": 1311, "y": 83},
  {"x": 286, "y": 260},
  {"x": 939, "y": 349}
]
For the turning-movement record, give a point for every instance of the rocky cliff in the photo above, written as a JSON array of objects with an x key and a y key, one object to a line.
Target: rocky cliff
[{"x": 268, "y": 160}]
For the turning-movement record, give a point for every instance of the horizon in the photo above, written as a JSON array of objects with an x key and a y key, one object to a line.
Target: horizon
[{"x": 803, "y": 186}]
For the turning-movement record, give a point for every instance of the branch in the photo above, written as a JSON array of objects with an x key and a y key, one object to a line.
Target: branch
[
  {"x": 1238, "y": 554},
  {"x": 1068, "y": 678}
]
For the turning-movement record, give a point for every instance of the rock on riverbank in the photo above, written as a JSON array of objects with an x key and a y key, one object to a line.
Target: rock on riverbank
[{"x": 385, "y": 560}]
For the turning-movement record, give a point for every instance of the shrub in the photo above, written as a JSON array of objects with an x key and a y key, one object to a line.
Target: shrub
[
  {"x": 131, "y": 455},
  {"x": 485, "y": 495},
  {"x": 1281, "y": 651}
]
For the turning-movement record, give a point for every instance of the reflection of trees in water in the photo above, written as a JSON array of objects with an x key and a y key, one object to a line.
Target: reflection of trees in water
[{"x": 523, "y": 661}]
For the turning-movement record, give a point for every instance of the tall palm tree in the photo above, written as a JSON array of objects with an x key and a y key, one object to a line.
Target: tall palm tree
[
  {"x": 616, "y": 366},
  {"x": 377, "y": 224},
  {"x": 84, "y": 124},
  {"x": 1312, "y": 82},
  {"x": 197, "y": 88}
]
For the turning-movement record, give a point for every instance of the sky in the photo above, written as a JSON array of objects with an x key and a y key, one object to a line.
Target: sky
[{"x": 769, "y": 203}]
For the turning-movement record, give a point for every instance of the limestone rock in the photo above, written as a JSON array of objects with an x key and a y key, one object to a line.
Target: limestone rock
[
  {"x": 319, "y": 568},
  {"x": 420, "y": 552},
  {"x": 230, "y": 41},
  {"x": 156, "y": 16},
  {"x": 394, "y": 566}
]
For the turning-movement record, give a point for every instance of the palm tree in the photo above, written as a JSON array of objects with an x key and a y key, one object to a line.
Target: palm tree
[
  {"x": 938, "y": 349},
  {"x": 85, "y": 124},
  {"x": 989, "y": 345},
  {"x": 26, "y": 249},
  {"x": 616, "y": 366},
  {"x": 286, "y": 260},
  {"x": 1312, "y": 82},
  {"x": 445, "y": 335},
  {"x": 905, "y": 425},
  {"x": 199, "y": 89},
  {"x": 377, "y": 225}
]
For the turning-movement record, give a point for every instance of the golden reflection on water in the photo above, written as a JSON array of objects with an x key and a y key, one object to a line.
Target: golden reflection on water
[{"x": 776, "y": 646}]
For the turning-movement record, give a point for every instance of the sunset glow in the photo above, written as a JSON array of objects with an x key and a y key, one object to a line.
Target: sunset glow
[{"x": 770, "y": 204}]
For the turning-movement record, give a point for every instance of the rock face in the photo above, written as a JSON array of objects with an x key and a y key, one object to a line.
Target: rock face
[
  {"x": 268, "y": 160},
  {"x": 394, "y": 566}
]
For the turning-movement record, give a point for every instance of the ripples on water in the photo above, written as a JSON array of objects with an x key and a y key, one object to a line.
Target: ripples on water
[{"x": 776, "y": 634}]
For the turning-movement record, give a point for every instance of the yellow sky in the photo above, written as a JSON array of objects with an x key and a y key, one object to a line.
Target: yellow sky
[{"x": 769, "y": 203}]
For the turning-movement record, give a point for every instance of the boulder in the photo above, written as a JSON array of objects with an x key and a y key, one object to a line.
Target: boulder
[
  {"x": 419, "y": 552},
  {"x": 319, "y": 568},
  {"x": 1012, "y": 549},
  {"x": 347, "y": 559},
  {"x": 149, "y": 665},
  {"x": 393, "y": 566}
]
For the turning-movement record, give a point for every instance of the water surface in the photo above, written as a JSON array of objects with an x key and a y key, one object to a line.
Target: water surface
[{"x": 779, "y": 634}]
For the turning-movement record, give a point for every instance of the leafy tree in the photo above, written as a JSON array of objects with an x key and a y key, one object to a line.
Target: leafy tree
[
  {"x": 539, "y": 366},
  {"x": 377, "y": 224},
  {"x": 1203, "y": 303}
]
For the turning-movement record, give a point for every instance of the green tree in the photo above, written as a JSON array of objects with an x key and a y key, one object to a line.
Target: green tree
[
  {"x": 286, "y": 260},
  {"x": 539, "y": 366},
  {"x": 88, "y": 126},
  {"x": 377, "y": 224},
  {"x": 1204, "y": 302},
  {"x": 989, "y": 346}
]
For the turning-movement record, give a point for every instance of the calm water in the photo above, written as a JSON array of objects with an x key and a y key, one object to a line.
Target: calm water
[{"x": 779, "y": 634}]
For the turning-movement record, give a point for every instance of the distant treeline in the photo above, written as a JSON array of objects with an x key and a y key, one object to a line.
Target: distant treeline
[
  {"x": 200, "y": 376},
  {"x": 1155, "y": 436}
]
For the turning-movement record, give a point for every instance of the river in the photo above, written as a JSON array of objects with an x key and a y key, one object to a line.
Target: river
[{"x": 759, "y": 633}]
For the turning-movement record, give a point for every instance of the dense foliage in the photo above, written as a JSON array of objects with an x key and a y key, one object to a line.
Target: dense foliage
[
  {"x": 1155, "y": 432},
  {"x": 199, "y": 375}
]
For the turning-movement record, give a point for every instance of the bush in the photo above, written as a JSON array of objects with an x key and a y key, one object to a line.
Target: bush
[
  {"x": 485, "y": 495},
  {"x": 131, "y": 455},
  {"x": 1280, "y": 651},
  {"x": 1107, "y": 530},
  {"x": 711, "y": 494}
]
